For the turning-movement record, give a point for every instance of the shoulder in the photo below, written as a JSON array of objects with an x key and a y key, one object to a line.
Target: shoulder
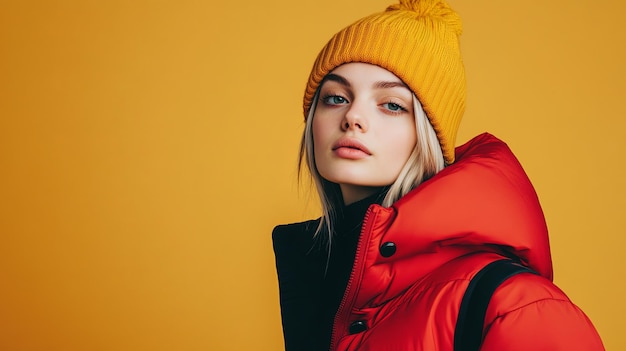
[
  {"x": 299, "y": 257},
  {"x": 295, "y": 228},
  {"x": 530, "y": 312},
  {"x": 295, "y": 231},
  {"x": 294, "y": 236},
  {"x": 523, "y": 290}
]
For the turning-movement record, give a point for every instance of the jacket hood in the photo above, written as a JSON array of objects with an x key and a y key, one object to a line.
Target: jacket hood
[
  {"x": 484, "y": 198},
  {"x": 482, "y": 202}
]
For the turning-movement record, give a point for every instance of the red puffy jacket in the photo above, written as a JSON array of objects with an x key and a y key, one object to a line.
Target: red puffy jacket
[{"x": 471, "y": 213}]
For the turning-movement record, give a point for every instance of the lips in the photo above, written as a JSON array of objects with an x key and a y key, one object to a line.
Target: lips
[{"x": 350, "y": 148}]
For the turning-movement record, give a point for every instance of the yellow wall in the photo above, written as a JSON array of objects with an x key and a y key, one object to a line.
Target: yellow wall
[{"x": 147, "y": 148}]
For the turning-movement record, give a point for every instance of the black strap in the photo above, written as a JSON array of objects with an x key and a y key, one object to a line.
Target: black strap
[{"x": 468, "y": 335}]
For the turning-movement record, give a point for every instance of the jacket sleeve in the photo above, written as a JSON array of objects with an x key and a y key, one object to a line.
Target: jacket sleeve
[{"x": 548, "y": 321}]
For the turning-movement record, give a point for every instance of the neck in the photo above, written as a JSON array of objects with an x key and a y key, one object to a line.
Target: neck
[{"x": 353, "y": 193}]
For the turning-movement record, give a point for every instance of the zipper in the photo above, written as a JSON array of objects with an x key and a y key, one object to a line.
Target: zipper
[{"x": 357, "y": 269}]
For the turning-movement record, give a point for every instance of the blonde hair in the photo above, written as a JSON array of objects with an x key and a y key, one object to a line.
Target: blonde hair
[{"x": 425, "y": 161}]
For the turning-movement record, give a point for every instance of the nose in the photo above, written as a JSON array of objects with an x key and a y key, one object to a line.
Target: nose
[{"x": 354, "y": 119}]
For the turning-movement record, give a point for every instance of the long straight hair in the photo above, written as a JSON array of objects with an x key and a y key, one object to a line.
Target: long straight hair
[{"x": 425, "y": 161}]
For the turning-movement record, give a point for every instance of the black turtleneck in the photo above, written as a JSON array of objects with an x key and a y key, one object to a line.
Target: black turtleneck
[
  {"x": 346, "y": 233},
  {"x": 312, "y": 283}
]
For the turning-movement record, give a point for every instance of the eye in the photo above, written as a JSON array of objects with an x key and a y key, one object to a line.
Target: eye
[
  {"x": 394, "y": 107},
  {"x": 334, "y": 100}
]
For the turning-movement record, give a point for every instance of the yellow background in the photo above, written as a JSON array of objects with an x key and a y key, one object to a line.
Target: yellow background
[{"x": 147, "y": 148}]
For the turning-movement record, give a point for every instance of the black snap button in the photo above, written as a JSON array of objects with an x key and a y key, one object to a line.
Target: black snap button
[
  {"x": 388, "y": 249},
  {"x": 357, "y": 327}
]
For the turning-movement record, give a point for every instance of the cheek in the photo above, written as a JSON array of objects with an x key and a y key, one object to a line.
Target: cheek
[
  {"x": 409, "y": 137},
  {"x": 321, "y": 131},
  {"x": 315, "y": 130},
  {"x": 409, "y": 143},
  {"x": 401, "y": 153},
  {"x": 318, "y": 136},
  {"x": 400, "y": 150},
  {"x": 402, "y": 142}
]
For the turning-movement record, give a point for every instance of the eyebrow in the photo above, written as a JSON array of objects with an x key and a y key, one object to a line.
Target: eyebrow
[
  {"x": 377, "y": 85},
  {"x": 336, "y": 78},
  {"x": 387, "y": 85}
]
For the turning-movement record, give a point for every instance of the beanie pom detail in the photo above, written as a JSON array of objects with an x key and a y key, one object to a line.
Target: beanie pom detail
[{"x": 435, "y": 9}]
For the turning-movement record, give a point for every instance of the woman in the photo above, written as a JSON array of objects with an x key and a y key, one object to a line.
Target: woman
[{"x": 408, "y": 220}]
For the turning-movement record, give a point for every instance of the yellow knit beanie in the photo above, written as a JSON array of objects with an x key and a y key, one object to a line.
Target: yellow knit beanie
[{"x": 418, "y": 41}]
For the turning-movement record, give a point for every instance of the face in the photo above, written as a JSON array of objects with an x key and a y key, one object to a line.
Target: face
[{"x": 363, "y": 129}]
